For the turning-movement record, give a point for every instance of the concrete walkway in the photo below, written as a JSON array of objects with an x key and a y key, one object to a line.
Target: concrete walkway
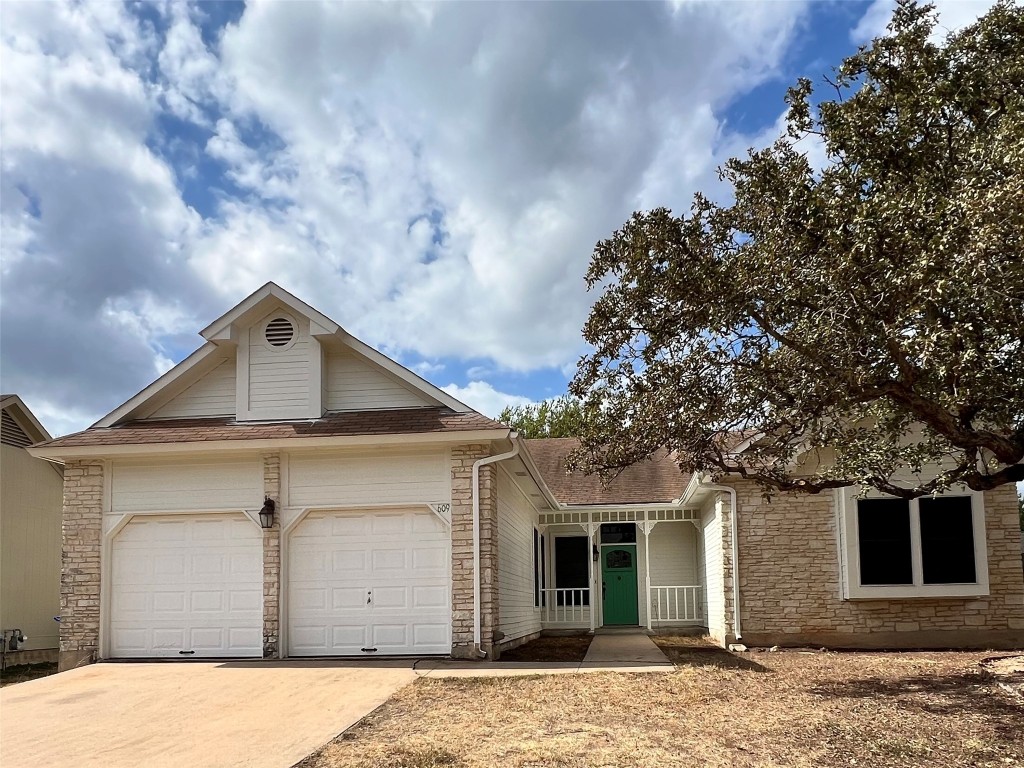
[
  {"x": 625, "y": 648},
  {"x": 223, "y": 715},
  {"x": 619, "y": 652}
]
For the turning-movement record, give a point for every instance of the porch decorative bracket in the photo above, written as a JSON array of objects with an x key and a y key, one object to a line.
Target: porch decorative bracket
[{"x": 647, "y": 526}]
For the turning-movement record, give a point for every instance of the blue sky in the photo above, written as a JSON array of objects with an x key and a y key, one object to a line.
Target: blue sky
[{"x": 433, "y": 177}]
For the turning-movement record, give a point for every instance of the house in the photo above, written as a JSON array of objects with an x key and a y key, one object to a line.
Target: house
[
  {"x": 288, "y": 491},
  {"x": 30, "y": 518}
]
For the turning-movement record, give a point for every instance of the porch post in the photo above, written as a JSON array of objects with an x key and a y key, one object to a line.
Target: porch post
[
  {"x": 590, "y": 565},
  {"x": 646, "y": 526}
]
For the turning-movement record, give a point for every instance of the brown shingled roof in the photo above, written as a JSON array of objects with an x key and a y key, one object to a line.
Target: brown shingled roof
[
  {"x": 655, "y": 481},
  {"x": 348, "y": 424}
]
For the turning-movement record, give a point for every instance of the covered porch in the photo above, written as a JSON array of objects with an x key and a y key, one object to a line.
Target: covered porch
[{"x": 623, "y": 567}]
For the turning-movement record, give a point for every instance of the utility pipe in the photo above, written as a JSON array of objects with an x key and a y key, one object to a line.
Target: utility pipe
[
  {"x": 735, "y": 556},
  {"x": 476, "y": 534}
]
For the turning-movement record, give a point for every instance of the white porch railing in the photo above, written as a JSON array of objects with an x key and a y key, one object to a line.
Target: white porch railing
[
  {"x": 565, "y": 606},
  {"x": 675, "y": 603}
]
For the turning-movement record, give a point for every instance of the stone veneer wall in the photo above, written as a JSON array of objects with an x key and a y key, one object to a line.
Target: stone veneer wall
[
  {"x": 463, "y": 458},
  {"x": 790, "y": 582},
  {"x": 272, "y": 559},
  {"x": 82, "y": 535}
]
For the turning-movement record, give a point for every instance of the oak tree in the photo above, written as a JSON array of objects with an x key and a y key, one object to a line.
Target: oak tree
[{"x": 847, "y": 322}]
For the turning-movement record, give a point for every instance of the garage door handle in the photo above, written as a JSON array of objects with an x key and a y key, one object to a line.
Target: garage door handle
[
  {"x": 186, "y": 653},
  {"x": 368, "y": 594},
  {"x": 368, "y": 650}
]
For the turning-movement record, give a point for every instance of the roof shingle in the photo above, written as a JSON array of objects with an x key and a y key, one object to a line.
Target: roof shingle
[
  {"x": 347, "y": 424},
  {"x": 655, "y": 481}
]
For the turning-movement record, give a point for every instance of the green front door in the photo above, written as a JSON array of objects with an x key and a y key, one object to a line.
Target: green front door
[{"x": 618, "y": 576}]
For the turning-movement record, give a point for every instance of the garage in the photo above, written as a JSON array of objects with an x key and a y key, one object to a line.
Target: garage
[
  {"x": 370, "y": 582},
  {"x": 187, "y": 586}
]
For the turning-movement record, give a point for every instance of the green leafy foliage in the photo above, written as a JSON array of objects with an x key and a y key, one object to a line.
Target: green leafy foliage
[
  {"x": 561, "y": 417},
  {"x": 848, "y": 324}
]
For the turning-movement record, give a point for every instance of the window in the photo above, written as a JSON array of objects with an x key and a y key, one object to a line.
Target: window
[
  {"x": 618, "y": 533},
  {"x": 572, "y": 569},
  {"x": 538, "y": 569},
  {"x": 947, "y": 541},
  {"x": 928, "y": 547},
  {"x": 883, "y": 529}
]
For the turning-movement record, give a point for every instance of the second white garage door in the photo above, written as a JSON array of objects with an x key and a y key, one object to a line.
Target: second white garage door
[{"x": 369, "y": 583}]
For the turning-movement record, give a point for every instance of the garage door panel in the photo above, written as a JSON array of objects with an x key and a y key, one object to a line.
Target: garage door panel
[
  {"x": 187, "y": 583},
  {"x": 430, "y": 597},
  {"x": 344, "y": 639},
  {"x": 385, "y": 524},
  {"x": 164, "y": 604},
  {"x": 349, "y": 599},
  {"x": 430, "y": 634},
  {"x": 391, "y": 597},
  {"x": 349, "y": 562},
  {"x": 389, "y": 560},
  {"x": 429, "y": 559},
  {"x": 389, "y": 575}
]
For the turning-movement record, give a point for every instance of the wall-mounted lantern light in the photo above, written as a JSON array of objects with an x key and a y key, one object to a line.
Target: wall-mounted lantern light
[{"x": 267, "y": 513}]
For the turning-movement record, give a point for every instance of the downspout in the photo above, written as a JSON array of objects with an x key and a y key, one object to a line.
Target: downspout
[
  {"x": 735, "y": 556},
  {"x": 513, "y": 436}
]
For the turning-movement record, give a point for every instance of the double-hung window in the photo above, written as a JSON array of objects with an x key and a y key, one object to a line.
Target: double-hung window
[{"x": 926, "y": 547}]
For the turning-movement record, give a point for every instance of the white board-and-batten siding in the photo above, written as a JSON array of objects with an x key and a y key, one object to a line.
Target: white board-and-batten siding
[
  {"x": 186, "y": 485},
  {"x": 347, "y": 479},
  {"x": 517, "y": 614},
  {"x": 353, "y": 384},
  {"x": 212, "y": 395}
]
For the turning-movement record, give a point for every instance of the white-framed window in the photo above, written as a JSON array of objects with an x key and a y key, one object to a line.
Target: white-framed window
[{"x": 925, "y": 547}]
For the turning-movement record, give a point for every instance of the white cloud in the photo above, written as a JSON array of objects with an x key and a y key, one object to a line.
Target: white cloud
[
  {"x": 482, "y": 397},
  {"x": 953, "y": 15},
  {"x": 432, "y": 176}
]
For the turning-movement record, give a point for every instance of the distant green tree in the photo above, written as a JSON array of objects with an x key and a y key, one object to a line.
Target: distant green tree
[{"x": 561, "y": 417}]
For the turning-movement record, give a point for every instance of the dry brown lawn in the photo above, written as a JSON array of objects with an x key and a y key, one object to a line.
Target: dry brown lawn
[{"x": 791, "y": 708}]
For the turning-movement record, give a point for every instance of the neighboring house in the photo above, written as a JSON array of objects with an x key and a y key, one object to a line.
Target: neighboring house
[
  {"x": 30, "y": 517},
  {"x": 406, "y": 523}
]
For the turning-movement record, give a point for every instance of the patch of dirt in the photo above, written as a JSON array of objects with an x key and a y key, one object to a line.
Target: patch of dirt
[
  {"x": 1008, "y": 672},
  {"x": 801, "y": 710},
  {"x": 23, "y": 672},
  {"x": 550, "y": 649}
]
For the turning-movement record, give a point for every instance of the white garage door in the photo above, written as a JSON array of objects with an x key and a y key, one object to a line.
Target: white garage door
[
  {"x": 369, "y": 583},
  {"x": 187, "y": 586}
]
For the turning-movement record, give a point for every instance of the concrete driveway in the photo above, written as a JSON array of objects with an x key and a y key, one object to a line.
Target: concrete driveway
[{"x": 269, "y": 714}]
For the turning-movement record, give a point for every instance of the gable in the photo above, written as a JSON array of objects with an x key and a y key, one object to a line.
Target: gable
[
  {"x": 285, "y": 361},
  {"x": 212, "y": 395},
  {"x": 351, "y": 383}
]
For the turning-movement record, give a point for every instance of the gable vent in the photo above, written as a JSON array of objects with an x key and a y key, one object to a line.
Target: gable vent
[
  {"x": 11, "y": 432},
  {"x": 280, "y": 332}
]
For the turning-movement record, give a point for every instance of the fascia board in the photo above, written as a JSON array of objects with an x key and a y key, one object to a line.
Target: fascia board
[
  {"x": 25, "y": 418},
  {"x": 319, "y": 323},
  {"x": 292, "y": 443},
  {"x": 409, "y": 378},
  {"x": 172, "y": 376}
]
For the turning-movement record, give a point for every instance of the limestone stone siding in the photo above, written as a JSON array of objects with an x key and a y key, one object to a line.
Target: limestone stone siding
[
  {"x": 81, "y": 534},
  {"x": 790, "y": 582},
  {"x": 463, "y": 458},
  {"x": 272, "y": 559}
]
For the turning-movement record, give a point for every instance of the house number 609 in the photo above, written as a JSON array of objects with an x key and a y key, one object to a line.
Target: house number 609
[{"x": 444, "y": 509}]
